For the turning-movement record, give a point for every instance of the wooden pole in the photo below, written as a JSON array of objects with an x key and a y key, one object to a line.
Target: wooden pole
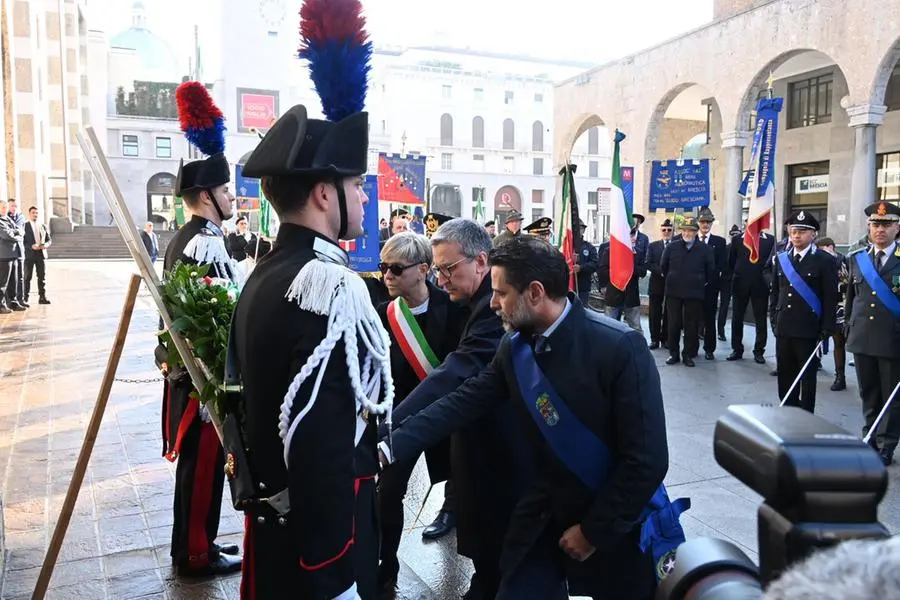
[{"x": 87, "y": 446}]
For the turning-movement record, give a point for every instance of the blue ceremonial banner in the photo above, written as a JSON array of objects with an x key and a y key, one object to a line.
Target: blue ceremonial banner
[
  {"x": 684, "y": 185},
  {"x": 364, "y": 250},
  {"x": 246, "y": 190},
  {"x": 627, "y": 174},
  {"x": 762, "y": 154}
]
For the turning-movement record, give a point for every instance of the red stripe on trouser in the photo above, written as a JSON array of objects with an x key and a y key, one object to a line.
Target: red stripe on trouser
[
  {"x": 248, "y": 584},
  {"x": 190, "y": 413},
  {"x": 349, "y": 543},
  {"x": 201, "y": 496}
]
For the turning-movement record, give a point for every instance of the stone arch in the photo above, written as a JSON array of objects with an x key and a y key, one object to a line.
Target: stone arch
[
  {"x": 759, "y": 83},
  {"x": 161, "y": 200},
  {"x": 883, "y": 74},
  {"x": 658, "y": 115},
  {"x": 581, "y": 124}
]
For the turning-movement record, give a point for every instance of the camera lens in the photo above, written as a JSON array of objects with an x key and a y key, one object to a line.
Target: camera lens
[{"x": 710, "y": 569}]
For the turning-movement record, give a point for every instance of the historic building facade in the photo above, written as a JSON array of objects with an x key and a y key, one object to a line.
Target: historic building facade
[
  {"x": 46, "y": 101},
  {"x": 835, "y": 65}
]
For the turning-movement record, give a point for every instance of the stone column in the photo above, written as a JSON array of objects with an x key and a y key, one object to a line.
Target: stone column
[
  {"x": 733, "y": 143},
  {"x": 864, "y": 118}
]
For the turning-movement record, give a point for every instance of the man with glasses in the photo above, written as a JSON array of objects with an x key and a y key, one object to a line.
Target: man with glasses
[
  {"x": 657, "y": 287},
  {"x": 424, "y": 327},
  {"x": 488, "y": 460}
]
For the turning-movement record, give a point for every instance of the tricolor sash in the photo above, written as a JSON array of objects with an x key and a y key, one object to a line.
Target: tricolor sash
[
  {"x": 589, "y": 458},
  {"x": 411, "y": 339},
  {"x": 806, "y": 292},
  {"x": 881, "y": 289}
]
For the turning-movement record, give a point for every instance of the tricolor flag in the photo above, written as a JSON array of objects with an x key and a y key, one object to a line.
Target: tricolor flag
[
  {"x": 569, "y": 232},
  {"x": 621, "y": 252},
  {"x": 759, "y": 183}
]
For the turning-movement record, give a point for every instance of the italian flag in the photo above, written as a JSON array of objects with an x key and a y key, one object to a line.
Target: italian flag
[
  {"x": 568, "y": 210},
  {"x": 621, "y": 252}
]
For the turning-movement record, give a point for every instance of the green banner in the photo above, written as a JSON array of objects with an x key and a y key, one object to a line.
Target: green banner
[{"x": 179, "y": 211}]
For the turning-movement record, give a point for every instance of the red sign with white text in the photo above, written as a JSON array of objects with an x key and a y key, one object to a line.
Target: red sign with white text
[{"x": 257, "y": 111}]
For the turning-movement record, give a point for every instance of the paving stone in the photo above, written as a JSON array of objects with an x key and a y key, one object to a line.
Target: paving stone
[{"x": 117, "y": 545}]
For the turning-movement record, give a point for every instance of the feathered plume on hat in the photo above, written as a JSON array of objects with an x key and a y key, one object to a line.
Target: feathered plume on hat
[
  {"x": 201, "y": 120},
  {"x": 337, "y": 46}
]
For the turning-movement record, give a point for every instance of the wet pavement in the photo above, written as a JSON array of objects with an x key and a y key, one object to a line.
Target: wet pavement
[{"x": 117, "y": 547}]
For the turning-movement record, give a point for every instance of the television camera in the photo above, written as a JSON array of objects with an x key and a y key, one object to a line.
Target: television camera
[{"x": 820, "y": 486}]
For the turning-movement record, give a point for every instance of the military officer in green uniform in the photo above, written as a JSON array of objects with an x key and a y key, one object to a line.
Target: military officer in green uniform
[
  {"x": 513, "y": 227},
  {"x": 873, "y": 319}
]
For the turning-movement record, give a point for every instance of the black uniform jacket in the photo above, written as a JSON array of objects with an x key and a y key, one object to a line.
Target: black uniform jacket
[
  {"x": 488, "y": 458},
  {"x": 273, "y": 338},
  {"x": 239, "y": 247},
  {"x": 747, "y": 277},
  {"x": 631, "y": 296},
  {"x": 657, "y": 284},
  {"x": 177, "y": 387},
  {"x": 614, "y": 391},
  {"x": 874, "y": 330},
  {"x": 441, "y": 325},
  {"x": 687, "y": 271},
  {"x": 789, "y": 312},
  {"x": 588, "y": 260}
]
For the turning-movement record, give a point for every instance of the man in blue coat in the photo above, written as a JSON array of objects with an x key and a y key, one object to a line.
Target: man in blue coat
[{"x": 596, "y": 435}]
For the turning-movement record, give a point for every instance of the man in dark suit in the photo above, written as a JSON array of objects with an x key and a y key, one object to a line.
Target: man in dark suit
[
  {"x": 37, "y": 240},
  {"x": 734, "y": 236},
  {"x": 586, "y": 266},
  {"x": 151, "y": 242},
  {"x": 579, "y": 518},
  {"x": 750, "y": 285},
  {"x": 424, "y": 327},
  {"x": 488, "y": 461},
  {"x": 688, "y": 266},
  {"x": 15, "y": 289},
  {"x": 656, "y": 289},
  {"x": 872, "y": 321},
  {"x": 10, "y": 240},
  {"x": 803, "y": 302},
  {"x": 719, "y": 247}
]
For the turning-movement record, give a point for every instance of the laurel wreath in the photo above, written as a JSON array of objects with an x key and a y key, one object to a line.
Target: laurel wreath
[{"x": 201, "y": 309}]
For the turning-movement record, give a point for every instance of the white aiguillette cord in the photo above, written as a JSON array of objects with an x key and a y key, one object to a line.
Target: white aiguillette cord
[{"x": 326, "y": 288}]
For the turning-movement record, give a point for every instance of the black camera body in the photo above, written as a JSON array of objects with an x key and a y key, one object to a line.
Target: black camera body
[{"x": 820, "y": 486}]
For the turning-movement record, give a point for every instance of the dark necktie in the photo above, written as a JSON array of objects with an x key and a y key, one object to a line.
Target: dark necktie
[
  {"x": 879, "y": 256},
  {"x": 703, "y": 239},
  {"x": 797, "y": 258},
  {"x": 541, "y": 344}
]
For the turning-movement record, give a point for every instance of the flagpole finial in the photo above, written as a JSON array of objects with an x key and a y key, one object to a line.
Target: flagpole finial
[{"x": 771, "y": 83}]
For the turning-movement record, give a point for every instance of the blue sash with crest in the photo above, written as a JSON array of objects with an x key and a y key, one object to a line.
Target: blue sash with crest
[
  {"x": 806, "y": 292},
  {"x": 589, "y": 458},
  {"x": 881, "y": 289}
]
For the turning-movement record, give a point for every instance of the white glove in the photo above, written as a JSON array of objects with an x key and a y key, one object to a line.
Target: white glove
[
  {"x": 204, "y": 415},
  {"x": 349, "y": 594}
]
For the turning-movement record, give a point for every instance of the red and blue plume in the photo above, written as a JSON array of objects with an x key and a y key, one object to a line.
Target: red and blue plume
[
  {"x": 335, "y": 42},
  {"x": 201, "y": 120}
]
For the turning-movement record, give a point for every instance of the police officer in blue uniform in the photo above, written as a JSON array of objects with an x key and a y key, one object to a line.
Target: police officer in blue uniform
[{"x": 802, "y": 302}]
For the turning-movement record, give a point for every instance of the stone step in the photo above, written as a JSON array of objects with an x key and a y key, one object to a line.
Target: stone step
[{"x": 90, "y": 242}]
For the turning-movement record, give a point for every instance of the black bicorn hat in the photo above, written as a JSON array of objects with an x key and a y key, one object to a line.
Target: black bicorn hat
[
  {"x": 883, "y": 212},
  {"x": 802, "y": 220},
  {"x": 202, "y": 174},
  {"x": 541, "y": 226},
  {"x": 302, "y": 147}
]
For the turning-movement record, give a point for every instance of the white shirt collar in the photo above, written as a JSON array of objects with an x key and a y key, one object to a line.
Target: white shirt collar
[
  {"x": 803, "y": 252},
  {"x": 549, "y": 331},
  {"x": 887, "y": 252}
]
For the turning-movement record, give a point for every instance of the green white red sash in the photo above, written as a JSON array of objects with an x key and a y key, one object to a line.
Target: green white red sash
[{"x": 411, "y": 339}]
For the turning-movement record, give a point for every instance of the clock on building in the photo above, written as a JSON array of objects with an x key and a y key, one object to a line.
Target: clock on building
[{"x": 272, "y": 13}]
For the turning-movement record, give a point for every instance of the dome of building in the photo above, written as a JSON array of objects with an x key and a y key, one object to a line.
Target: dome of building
[{"x": 158, "y": 62}]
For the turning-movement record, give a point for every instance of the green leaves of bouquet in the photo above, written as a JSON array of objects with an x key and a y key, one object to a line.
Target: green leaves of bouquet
[{"x": 201, "y": 309}]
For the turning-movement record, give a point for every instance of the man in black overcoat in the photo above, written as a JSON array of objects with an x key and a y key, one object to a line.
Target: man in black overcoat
[
  {"x": 564, "y": 528},
  {"x": 488, "y": 461},
  {"x": 750, "y": 283},
  {"x": 803, "y": 304},
  {"x": 720, "y": 260},
  {"x": 687, "y": 265},
  {"x": 656, "y": 290}
]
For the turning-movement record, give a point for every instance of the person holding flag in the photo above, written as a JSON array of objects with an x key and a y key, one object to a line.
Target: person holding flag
[
  {"x": 569, "y": 233},
  {"x": 750, "y": 263},
  {"x": 803, "y": 304}
]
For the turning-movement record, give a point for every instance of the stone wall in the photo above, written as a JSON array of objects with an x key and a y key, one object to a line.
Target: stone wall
[{"x": 722, "y": 9}]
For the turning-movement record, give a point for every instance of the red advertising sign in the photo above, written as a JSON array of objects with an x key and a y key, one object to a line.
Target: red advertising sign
[{"x": 257, "y": 110}]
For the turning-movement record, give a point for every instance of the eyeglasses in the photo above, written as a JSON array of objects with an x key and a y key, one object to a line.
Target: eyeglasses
[
  {"x": 667, "y": 229},
  {"x": 396, "y": 270},
  {"x": 447, "y": 271}
]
